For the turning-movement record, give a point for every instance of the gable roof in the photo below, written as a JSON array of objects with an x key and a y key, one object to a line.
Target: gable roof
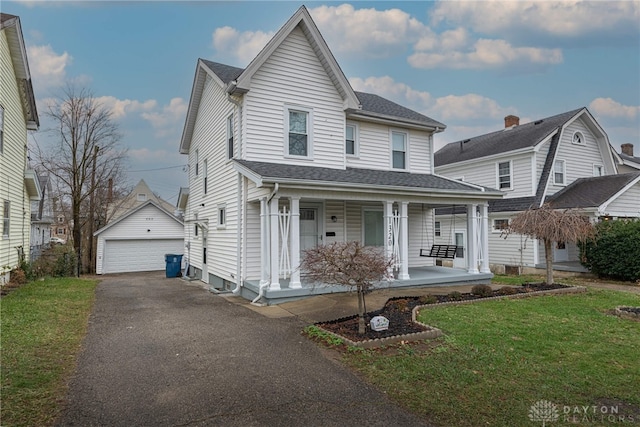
[
  {"x": 631, "y": 161},
  {"x": 523, "y": 136},
  {"x": 131, "y": 201},
  {"x": 381, "y": 180},
  {"x": 13, "y": 30},
  {"x": 133, "y": 211},
  {"x": 592, "y": 192},
  {"x": 376, "y": 106}
]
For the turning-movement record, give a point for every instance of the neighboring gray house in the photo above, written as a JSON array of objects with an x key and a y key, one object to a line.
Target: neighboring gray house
[
  {"x": 284, "y": 155},
  {"x": 627, "y": 161},
  {"x": 565, "y": 160}
]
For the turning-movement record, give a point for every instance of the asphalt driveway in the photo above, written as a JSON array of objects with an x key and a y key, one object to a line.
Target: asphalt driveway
[{"x": 163, "y": 352}]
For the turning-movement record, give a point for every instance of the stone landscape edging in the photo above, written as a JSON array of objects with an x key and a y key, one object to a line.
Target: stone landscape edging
[
  {"x": 626, "y": 314},
  {"x": 433, "y": 332}
]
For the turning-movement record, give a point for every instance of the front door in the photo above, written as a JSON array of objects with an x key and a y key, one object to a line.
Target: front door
[
  {"x": 308, "y": 228},
  {"x": 460, "y": 240},
  {"x": 560, "y": 252}
]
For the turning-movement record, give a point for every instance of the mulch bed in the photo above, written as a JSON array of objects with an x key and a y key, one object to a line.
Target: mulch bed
[{"x": 398, "y": 310}]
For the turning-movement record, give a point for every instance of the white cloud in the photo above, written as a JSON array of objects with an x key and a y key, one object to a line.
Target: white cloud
[
  {"x": 392, "y": 90},
  {"x": 485, "y": 54},
  {"x": 170, "y": 119},
  {"x": 607, "y": 107},
  {"x": 242, "y": 46},
  {"x": 48, "y": 69},
  {"x": 567, "y": 19},
  {"x": 468, "y": 107},
  {"x": 121, "y": 107}
]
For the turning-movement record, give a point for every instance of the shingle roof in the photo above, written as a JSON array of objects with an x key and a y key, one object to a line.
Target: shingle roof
[
  {"x": 371, "y": 103},
  {"x": 504, "y": 140},
  {"x": 591, "y": 192},
  {"x": 357, "y": 176}
]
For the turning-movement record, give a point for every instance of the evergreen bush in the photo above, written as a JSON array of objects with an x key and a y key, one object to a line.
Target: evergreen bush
[{"x": 615, "y": 250}]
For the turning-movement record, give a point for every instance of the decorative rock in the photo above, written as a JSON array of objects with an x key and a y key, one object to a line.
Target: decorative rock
[{"x": 379, "y": 323}]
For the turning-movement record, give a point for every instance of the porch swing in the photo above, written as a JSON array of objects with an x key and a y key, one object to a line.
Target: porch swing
[{"x": 438, "y": 251}]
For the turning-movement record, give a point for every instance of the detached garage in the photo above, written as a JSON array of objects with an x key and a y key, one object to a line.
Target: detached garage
[{"x": 139, "y": 240}]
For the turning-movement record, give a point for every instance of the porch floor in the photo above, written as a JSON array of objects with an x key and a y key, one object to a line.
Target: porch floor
[{"x": 420, "y": 277}]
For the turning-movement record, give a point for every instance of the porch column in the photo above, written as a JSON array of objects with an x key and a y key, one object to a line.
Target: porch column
[
  {"x": 404, "y": 241},
  {"x": 264, "y": 242},
  {"x": 472, "y": 239},
  {"x": 484, "y": 268},
  {"x": 294, "y": 245},
  {"x": 274, "y": 241},
  {"x": 388, "y": 234}
]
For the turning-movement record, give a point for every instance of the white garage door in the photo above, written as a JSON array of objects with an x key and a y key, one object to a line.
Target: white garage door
[{"x": 122, "y": 256}]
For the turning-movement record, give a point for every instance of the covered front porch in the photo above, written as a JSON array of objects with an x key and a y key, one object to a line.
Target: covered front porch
[{"x": 420, "y": 277}]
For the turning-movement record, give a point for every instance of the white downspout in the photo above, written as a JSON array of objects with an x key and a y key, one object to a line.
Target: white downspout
[{"x": 264, "y": 286}]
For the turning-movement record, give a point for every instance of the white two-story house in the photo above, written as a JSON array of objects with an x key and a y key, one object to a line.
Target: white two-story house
[
  {"x": 18, "y": 183},
  {"x": 284, "y": 155},
  {"x": 565, "y": 160}
]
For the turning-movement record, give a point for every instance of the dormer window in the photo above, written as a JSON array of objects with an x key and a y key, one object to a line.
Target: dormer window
[
  {"x": 142, "y": 197},
  {"x": 298, "y": 123},
  {"x": 578, "y": 138}
]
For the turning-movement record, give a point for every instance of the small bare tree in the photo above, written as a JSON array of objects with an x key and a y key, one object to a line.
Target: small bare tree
[
  {"x": 551, "y": 225},
  {"x": 347, "y": 264}
]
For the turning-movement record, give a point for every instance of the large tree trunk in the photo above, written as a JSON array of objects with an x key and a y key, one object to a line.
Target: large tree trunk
[{"x": 548, "y": 254}]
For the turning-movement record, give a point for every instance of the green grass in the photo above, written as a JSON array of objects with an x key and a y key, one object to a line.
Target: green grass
[
  {"x": 43, "y": 324},
  {"x": 498, "y": 358}
]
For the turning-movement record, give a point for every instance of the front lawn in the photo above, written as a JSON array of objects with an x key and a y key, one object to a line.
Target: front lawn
[
  {"x": 43, "y": 324},
  {"x": 498, "y": 358}
]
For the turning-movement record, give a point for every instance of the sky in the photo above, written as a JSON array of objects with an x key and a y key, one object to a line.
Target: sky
[{"x": 467, "y": 64}]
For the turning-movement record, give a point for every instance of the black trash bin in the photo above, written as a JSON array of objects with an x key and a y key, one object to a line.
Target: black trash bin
[{"x": 173, "y": 263}]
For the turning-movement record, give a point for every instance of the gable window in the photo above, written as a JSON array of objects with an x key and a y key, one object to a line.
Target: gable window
[
  {"x": 598, "y": 170},
  {"x": 299, "y": 137},
  {"x": 142, "y": 197},
  {"x": 204, "y": 173},
  {"x": 398, "y": 150},
  {"x": 500, "y": 224},
  {"x": 5, "y": 218},
  {"x": 1, "y": 128},
  {"x": 578, "y": 138},
  {"x": 373, "y": 227},
  {"x": 350, "y": 140},
  {"x": 558, "y": 172},
  {"x": 222, "y": 216},
  {"x": 504, "y": 176},
  {"x": 197, "y": 162},
  {"x": 230, "y": 137},
  {"x": 437, "y": 229}
]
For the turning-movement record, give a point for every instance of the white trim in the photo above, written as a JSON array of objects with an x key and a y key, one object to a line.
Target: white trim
[
  {"x": 407, "y": 156},
  {"x": 564, "y": 172},
  {"x": 287, "y": 109},
  {"x": 597, "y": 165},
  {"x": 493, "y": 224},
  {"x": 580, "y": 136},
  {"x": 498, "y": 163},
  {"x": 356, "y": 139},
  {"x": 603, "y": 207},
  {"x": 221, "y": 216},
  {"x": 363, "y": 231},
  {"x": 230, "y": 125}
]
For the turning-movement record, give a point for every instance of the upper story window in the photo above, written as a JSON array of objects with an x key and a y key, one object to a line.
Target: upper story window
[
  {"x": 504, "y": 176},
  {"x": 197, "y": 160},
  {"x": 578, "y": 138},
  {"x": 559, "y": 172},
  {"x": 598, "y": 170},
  {"x": 298, "y": 123},
  {"x": 230, "y": 137},
  {"x": 351, "y": 140},
  {"x": 5, "y": 218},
  {"x": 222, "y": 216},
  {"x": 398, "y": 150},
  {"x": 142, "y": 197},
  {"x": 1, "y": 129}
]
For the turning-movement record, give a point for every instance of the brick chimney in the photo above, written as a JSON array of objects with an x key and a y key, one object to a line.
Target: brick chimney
[
  {"x": 511, "y": 120},
  {"x": 627, "y": 149}
]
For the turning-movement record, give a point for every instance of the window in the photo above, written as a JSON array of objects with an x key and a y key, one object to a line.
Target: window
[
  {"x": 298, "y": 141},
  {"x": 598, "y": 170},
  {"x": 373, "y": 228},
  {"x": 437, "y": 229},
  {"x": 398, "y": 150},
  {"x": 558, "y": 172},
  {"x": 142, "y": 197},
  {"x": 500, "y": 225},
  {"x": 60, "y": 231},
  {"x": 195, "y": 230},
  {"x": 61, "y": 219},
  {"x": 197, "y": 162},
  {"x": 504, "y": 176},
  {"x": 1, "y": 128},
  {"x": 5, "y": 218},
  {"x": 578, "y": 138},
  {"x": 350, "y": 141},
  {"x": 230, "y": 137},
  {"x": 204, "y": 172},
  {"x": 222, "y": 216}
]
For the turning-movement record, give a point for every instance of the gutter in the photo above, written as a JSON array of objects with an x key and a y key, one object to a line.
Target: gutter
[{"x": 263, "y": 287}]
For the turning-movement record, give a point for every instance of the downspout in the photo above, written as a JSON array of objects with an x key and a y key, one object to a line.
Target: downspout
[
  {"x": 239, "y": 201},
  {"x": 264, "y": 286}
]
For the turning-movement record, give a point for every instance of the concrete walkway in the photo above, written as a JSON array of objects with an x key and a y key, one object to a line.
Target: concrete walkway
[{"x": 164, "y": 352}]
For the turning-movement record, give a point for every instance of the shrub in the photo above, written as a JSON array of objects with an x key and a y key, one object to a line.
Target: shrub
[
  {"x": 455, "y": 296},
  {"x": 615, "y": 250},
  {"x": 18, "y": 277},
  {"x": 428, "y": 299},
  {"x": 482, "y": 290},
  {"x": 506, "y": 290},
  {"x": 58, "y": 261}
]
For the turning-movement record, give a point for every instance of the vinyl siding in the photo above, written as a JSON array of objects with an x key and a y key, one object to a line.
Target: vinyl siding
[
  {"x": 627, "y": 204},
  {"x": 12, "y": 163},
  {"x": 293, "y": 76}
]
